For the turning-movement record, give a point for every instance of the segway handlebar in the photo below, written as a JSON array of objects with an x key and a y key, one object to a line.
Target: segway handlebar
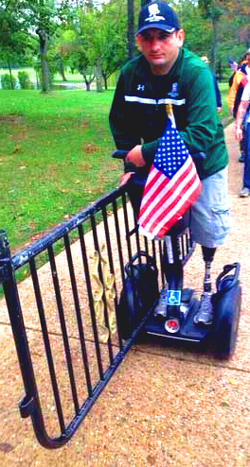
[
  {"x": 198, "y": 157},
  {"x": 119, "y": 154}
]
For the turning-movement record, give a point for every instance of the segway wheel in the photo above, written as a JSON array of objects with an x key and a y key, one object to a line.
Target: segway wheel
[{"x": 227, "y": 312}]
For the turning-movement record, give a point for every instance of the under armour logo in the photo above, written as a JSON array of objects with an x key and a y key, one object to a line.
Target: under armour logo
[{"x": 140, "y": 87}]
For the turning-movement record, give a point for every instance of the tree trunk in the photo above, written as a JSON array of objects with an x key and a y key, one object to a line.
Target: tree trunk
[
  {"x": 9, "y": 68},
  {"x": 61, "y": 69},
  {"x": 214, "y": 42},
  {"x": 99, "y": 76},
  {"x": 87, "y": 82},
  {"x": 105, "y": 79},
  {"x": 45, "y": 75},
  {"x": 131, "y": 34}
]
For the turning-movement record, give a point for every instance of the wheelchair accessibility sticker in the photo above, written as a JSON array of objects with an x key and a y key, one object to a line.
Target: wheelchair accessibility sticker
[{"x": 174, "y": 297}]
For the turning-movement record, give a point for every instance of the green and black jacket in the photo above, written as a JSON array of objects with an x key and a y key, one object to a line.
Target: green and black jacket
[{"x": 138, "y": 113}]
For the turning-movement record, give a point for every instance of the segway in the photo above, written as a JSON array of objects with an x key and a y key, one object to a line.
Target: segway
[{"x": 178, "y": 319}]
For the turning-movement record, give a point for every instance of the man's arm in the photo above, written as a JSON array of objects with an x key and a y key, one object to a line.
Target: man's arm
[
  {"x": 239, "y": 119},
  {"x": 202, "y": 121},
  {"x": 121, "y": 124},
  {"x": 123, "y": 129}
]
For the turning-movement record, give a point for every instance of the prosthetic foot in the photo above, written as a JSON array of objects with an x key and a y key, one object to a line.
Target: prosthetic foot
[{"x": 204, "y": 316}]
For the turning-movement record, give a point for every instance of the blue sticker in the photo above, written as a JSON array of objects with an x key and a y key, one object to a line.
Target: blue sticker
[{"x": 174, "y": 297}]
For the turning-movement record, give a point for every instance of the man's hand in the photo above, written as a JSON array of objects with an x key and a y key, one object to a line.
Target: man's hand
[
  {"x": 125, "y": 178},
  {"x": 135, "y": 157},
  {"x": 238, "y": 133}
]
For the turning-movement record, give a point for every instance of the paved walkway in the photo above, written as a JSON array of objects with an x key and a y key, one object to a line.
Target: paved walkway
[{"x": 163, "y": 407}]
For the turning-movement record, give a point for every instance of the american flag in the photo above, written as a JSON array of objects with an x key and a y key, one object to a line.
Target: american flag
[{"x": 172, "y": 185}]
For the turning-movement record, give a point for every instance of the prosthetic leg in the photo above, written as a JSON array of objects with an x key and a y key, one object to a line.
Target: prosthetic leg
[{"x": 205, "y": 312}]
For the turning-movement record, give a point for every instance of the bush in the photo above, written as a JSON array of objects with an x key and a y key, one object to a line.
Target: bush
[
  {"x": 8, "y": 81},
  {"x": 24, "y": 80}
]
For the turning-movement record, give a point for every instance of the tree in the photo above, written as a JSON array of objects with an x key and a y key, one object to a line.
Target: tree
[
  {"x": 197, "y": 28},
  {"x": 36, "y": 19},
  {"x": 110, "y": 41},
  {"x": 94, "y": 42},
  {"x": 13, "y": 39},
  {"x": 212, "y": 10}
]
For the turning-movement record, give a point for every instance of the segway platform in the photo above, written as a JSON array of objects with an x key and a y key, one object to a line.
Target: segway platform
[
  {"x": 176, "y": 322},
  {"x": 179, "y": 328}
]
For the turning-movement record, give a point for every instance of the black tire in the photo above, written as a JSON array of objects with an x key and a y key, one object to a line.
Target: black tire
[{"x": 227, "y": 314}]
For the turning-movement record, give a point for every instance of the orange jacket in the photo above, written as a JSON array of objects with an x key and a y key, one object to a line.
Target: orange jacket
[
  {"x": 240, "y": 73},
  {"x": 233, "y": 90}
]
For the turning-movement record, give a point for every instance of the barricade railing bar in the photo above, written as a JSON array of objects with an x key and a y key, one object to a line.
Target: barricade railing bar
[{"x": 64, "y": 316}]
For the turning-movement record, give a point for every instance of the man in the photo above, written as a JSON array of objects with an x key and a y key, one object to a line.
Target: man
[
  {"x": 235, "y": 91},
  {"x": 243, "y": 118},
  {"x": 166, "y": 73},
  {"x": 240, "y": 80}
]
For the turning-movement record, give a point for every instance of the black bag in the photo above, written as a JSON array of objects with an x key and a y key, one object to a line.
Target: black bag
[{"x": 139, "y": 293}]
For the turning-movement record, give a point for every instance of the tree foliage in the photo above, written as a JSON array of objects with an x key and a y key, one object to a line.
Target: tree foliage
[
  {"x": 94, "y": 43},
  {"x": 96, "y": 37}
]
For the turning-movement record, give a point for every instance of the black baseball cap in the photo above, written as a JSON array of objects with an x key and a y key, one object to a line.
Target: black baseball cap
[{"x": 158, "y": 15}]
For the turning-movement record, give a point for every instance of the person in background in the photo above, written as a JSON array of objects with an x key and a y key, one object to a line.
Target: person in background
[
  {"x": 167, "y": 73},
  {"x": 242, "y": 72},
  {"x": 243, "y": 119},
  {"x": 216, "y": 87},
  {"x": 235, "y": 92}
]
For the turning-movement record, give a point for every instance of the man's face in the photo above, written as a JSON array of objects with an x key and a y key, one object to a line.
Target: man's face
[
  {"x": 160, "y": 48},
  {"x": 248, "y": 59}
]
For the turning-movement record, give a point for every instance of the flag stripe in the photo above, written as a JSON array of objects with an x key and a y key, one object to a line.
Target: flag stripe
[
  {"x": 178, "y": 209},
  {"x": 171, "y": 187},
  {"x": 154, "y": 171},
  {"x": 167, "y": 209}
]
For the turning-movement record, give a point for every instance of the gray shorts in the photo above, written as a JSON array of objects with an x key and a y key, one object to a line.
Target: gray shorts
[{"x": 210, "y": 216}]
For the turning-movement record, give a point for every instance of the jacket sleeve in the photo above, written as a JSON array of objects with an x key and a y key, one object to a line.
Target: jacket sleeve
[
  {"x": 121, "y": 123},
  {"x": 233, "y": 90},
  {"x": 202, "y": 120}
]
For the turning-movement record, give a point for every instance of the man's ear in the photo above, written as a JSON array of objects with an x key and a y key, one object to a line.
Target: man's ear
[
  {"x": 180, "y": 35},
  {"x": 138, "y": 42}
]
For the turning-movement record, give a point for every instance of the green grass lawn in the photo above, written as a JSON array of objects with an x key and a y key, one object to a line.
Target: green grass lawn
[{"x": 54, "y": 158}]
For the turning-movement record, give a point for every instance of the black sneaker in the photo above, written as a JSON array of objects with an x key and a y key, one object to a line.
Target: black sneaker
[{"x": 206, "y": 313}]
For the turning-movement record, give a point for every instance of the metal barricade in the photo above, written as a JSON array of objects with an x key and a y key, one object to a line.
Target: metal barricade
[{"x": 64, "y": 316}]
